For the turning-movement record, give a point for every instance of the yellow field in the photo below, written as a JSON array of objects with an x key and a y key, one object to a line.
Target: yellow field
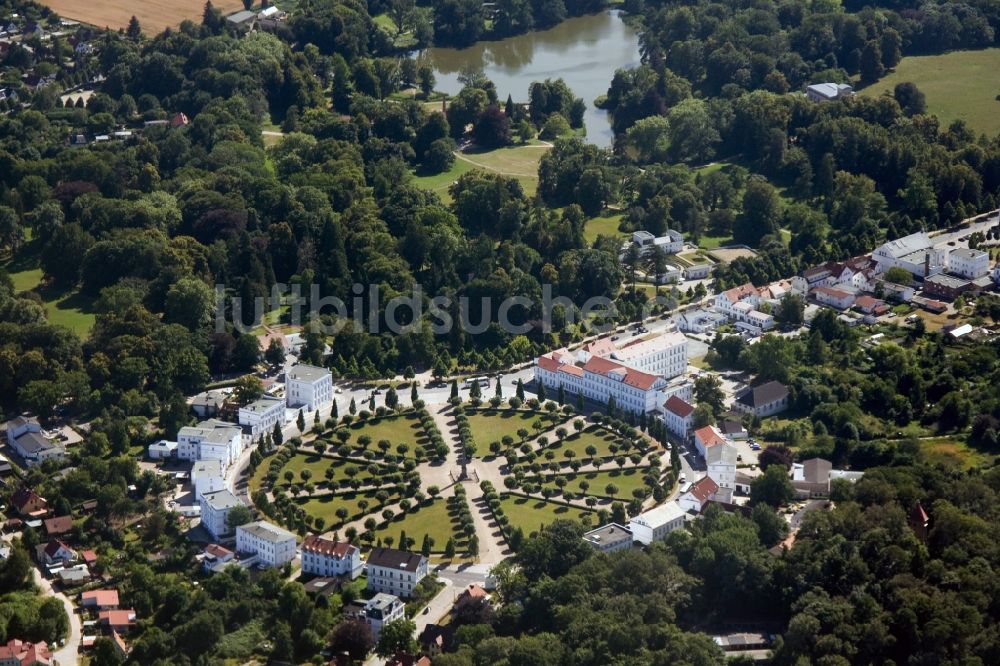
[{"x": 153, "y": 15}]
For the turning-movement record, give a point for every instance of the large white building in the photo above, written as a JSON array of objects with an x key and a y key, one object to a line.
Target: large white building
[
  {"x": 382, "y": 609},
  {"x": 657, "y": 523},
  {"x": 695, "y": 499},
  {"x": 395, "y": 571},
  {"x": 308, "y": 387},
  {"x": 740, "y": 305},
  {"x": 914, "y": 253},
  {"x": 261, "y": 415},
  {"x": 707, "y": 437},
  {"x": 635, "y": 375},
  {"x": 210, "y": 440},
  {"x": 968, "y": 263},
  {"x": 610, "y": 538},
  {"x": 206, "y": 477},
  {"x": 215, "y": 511},
  {"x": 24, "y": 435},
  {"x": 273, "y": 546},
  {"x": 721, "y": 463},
  {"x": 326, "y": 557},
  {"x": 678, "y": 414}
]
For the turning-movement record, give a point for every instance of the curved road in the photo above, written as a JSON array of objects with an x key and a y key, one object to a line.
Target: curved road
[{"x": 69, "y": 654}]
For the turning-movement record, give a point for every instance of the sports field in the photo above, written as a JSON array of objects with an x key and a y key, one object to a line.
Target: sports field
[
  {"x": 153, "y": 15},
  {"x": 956, "y": 84}
]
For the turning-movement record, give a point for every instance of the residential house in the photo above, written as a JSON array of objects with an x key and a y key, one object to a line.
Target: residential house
[
  {"x": 382, "y": 609},
  {"x": 727, "y": 300},
  {"x": 899, "y": 293},
  {"x": 763, "y": 400},
  {"x": 74, "y": 575},
  {"x": 733, "y": 429},
  {"x": 57, "y": 527},
  {"x": 242, "y": 21},
  {"x": 179, "y": 120},
  {"x": 968, "y": 263},
  {"x": 721, "y": 462},
  {"x": 308, "y": 387},
  {"x": 89, "y": 557},
  {"x": 706, "y": 437},
  {"x": 28, "y": 503},
  {"x": 700, "y": 321},
  {"x": 56, "y": 552},
  {"x": 871, "y": 306},
  {"x": 260, "y": 416},
  {"x": 206, "y": 477},
  {"x": 22, "y": 653},
  {"x": 24, "y": 435},
  {"x": 162, "y": 450},
  {"x": 215, "y": 557},
  {"x": 99, "y": 599},
  {"x": 835, "y": 298},
  {"x": 828, "y": 92},
  {"x": 395, "y": 571},
  {"x": 609, "y": 538},
  {"x": 671, "y": 242},
  {"x": 326, "y": 557},
  {"x": 118, "y": 620},
  {"x": 678, "y": 415},
  {"x": 273, "y": 546},
  {"x": 210, "y": 440},
  {"x": 811, "y": 478},
  {"x": 215, "y": 507},
  {"x": 698, "y": 271},
  {"x": 208, "y": 403},
  {"x": 656, "y": 523},
  {"x": 914, "y": 253},
  {"x": 698, "y": 495}
]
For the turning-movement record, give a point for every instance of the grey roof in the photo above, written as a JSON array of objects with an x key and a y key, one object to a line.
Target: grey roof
[
  {"x": 307, "y": 373},
  {"x": 764, "y": 394},
  {"x": 212, "y": 467},
  {"x": 241, "y": 17},
  {"x": 611, "y": 533},
  {"x": 390, "y": 558},
  {"x": 19, "y": 421},
  {"x": 829, "y": 90},
  {"x": 907, "y": 244},
  {"x": 218, "y": 432},
  {"x": 967, "y": 253},
  {"x": 32, "y": 442},
  {"x": 725, "y": 454},
  {"x": 209, "y": 398},
  {"x": 382, "y": 601},
  {"x": 266, "y": 531},
  {"x": 263, "y": 405},
  {"x": 221, "y": 500},
  {"x": 947, "y": 281}
]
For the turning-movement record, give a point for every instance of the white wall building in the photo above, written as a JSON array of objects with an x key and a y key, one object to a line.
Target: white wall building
[
  {"x": 308, "y": 387},
  {"x": 763, "y": 400},
  {"x": 210, "y": 440},
  {"x": 24, "y": 435},
  {"x": 968, "y": 263},
  {"x": 698, "y": 495},
  {"x": 395, "y": 571},
  {"x": 665, "y": 355},
  {"x": 609, "y": 538},
  {"x": 382, "y": 609},
  {"x": 677, "y": 415},
  {"x": 261, "y": 415},
  {"x": 163, "y": 449},
  {"x": 273, "y": 546},
  {"x": 835, "y": 298},
  {"x": 326, "y": 557},
  {"x": 706, "y": 438},
  {"x": 721, "y": 463},
  {"x": 914, "y": 253},
  {"x": 215, "y": 508},
  {"x": 657, "y": 523},
  {"x": 828, "y": 92},
  {"x": 206, "y": 477}
]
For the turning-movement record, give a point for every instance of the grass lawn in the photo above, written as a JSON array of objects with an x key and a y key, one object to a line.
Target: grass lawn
[
  {"x": 602, "y": 226},
  {"x": 63, "y": 308},
  {"x": 326, "y": 506},
  {"x": 398, "y": 429},
  {"x": 953, "y": 85},
  {"x": 626, "y": 480},
  {"x": 256, "y": 480},
  {"x": 432, "y": 519},
  {"x": 318, "y": 466},
  {"x": 439, "y": 183},
  {"x": 532, "y": 514},
  {"x": 714, "y": 242},
  {"x": 936, "y": 321},
  {"x": 520, "y": 162},
  {"x": 599, "y": 438},
  {"x": 953, "y": 452},
  {"x": 489, "y": 426}
]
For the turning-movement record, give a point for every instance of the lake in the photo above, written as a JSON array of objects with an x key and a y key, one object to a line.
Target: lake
[{"x": 584, "y": 51}]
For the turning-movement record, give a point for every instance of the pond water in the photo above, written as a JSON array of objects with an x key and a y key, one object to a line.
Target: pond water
[{"x": 584, "y": 51}]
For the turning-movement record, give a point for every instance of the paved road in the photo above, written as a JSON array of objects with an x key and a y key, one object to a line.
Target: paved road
[{"x": 69, "y": 654}]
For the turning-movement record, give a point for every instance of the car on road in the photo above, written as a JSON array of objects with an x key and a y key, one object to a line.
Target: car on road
[{"x": 755, "y": 447}]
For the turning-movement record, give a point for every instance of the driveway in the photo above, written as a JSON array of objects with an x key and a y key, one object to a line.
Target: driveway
[{"x": 68, "y": 655}]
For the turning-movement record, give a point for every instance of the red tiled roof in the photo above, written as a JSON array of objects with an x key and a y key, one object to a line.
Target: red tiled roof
[
  {"x": 476, "y": 592},
  {"x": 89, "y": 556},
  {"x": 570, "y": 369},
  {"x": 59, "y": 525},
  {"x": 118, "y": 618},
  {"x": 215, "y": 550},
  {"x": 704, "y": 489},
  {"x": 678, "y": 406},
  {"x": 100, "y": 598},
  {"x": 546, "y": 362},
  {"x": 708, "y": 436},
  {"x": 328, "y": 547},
  {"x": 53, "y": 547},
  {"x": 26, "y": 653},
  {"x": 24, "y": 496},
  {"x": 833, "y": 293},
  {"x": 632, "y": 377},
  {"x": 737, "y": 294},
  {"x": 601, "y": 347}
]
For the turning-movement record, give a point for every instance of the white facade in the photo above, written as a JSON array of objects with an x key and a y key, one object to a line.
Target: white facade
[
  {"x": 210, "y": 440},
  {"x": 828, "y": 92},
  {"x": 727, "y": 300},
  {"x": 665, "y": 355},
  {"x": 721, "y": 463},
  {"x": 697, "y": 271},
  {"x": 656, "y": 524},
  {"x": 273, "y": 546},
  {"x": 969, "y": 264},
  {"x": 610, "y": 538},
  {"x": 260, "y": 416},
  {"x": 215, "y": 511},
  {"x": 382, "y": 609},
  {"x": 308, "y": 387},
  {"x": 162, "y": 449},
  {"x": 206, "y": 477},
  {"x": 678, "y": 415},
  {"x": 914, "y": 253},
  {"x": 835, "y": 298},
  {"x": 25, "y": 436},
  {"x": 325, "y": 557},
  {"x": 699, "y": 494},
  {"x": 395, "y": 571},
  {"x": 707, "y": 437}
]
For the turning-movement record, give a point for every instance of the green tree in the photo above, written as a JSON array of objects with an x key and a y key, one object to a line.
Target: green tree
[
  {"x": 238, "y": 515},
  {"x": 395, "y": 637},
  {"x": 773, "y": 487}
]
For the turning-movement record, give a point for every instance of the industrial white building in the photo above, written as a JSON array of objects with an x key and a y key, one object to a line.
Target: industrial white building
[
  {"x": 968, "y": 263},
  {"x": 914, "y": 253},
  {"x": 260, "y": 416},
  {"x": 273, "y": 546},
  {"x": 721, "y": 463},
  {"x": 210, "y": 440},
  {"x": 215, "y": 508},
  {"x": 657, "y": 523},
  {"x": 308, "y": 387}
]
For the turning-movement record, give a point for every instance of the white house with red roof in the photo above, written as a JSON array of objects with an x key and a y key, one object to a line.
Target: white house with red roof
[
  {"x": 678, "y": 415},
  {"x": 740, "y": 304},
  {"x": 835, "y": 298},
  {"x": 100, "y": 599},
  {"x": 22, "y": 653},
  {"x": 56, "y": 552},
  {"x": 707, "y": 437},
  {"x": 326, "y": 557},
  {"x": 698, "y": 495}
]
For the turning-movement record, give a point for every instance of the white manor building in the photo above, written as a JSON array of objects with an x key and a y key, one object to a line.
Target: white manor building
[
  {"x": 273, "y": 546},
  {"x": 308, "y": 387},
  {"x": 326, "y": 557},
  {"x": 210, "y": 440},
  {"x": 395, "y": 571},
  {"x": 215, "y": 512},
  {"x": 261, "y": 415},
  {"x": 657, "y": 523}
]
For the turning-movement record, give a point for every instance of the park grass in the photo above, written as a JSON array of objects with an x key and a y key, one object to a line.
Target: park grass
[
  {"x": 440, "y": 182},
  {"x": 397, "y": 428},
  {"x": 953, "y": 452},
  {"x": 531, "y": 514},
  {"x": 62, "y": 308},
  {"x": 489, "y": 426},
  {"x": 325, "y": 506},
  {"x": 626, "y": 480},
  {"x": 714, "y": 242},
  {"x": 602, "y": 226},
  {"x": 318, "y": 465},
  {"x": 953, "y": 84},
  {"x": 434, "y": 520},
  {"x": 599, "y": 438},
  {"x": 520, "y": 162},
  {"x": 256, "y": 480}
]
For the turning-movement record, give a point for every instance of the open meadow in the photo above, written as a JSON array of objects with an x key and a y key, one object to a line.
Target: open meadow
[{"x": 153, "y": 15}]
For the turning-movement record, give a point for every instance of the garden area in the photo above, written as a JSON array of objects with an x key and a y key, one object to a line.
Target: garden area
[
  {"x": 592, "y": 442},
  {"x": 398, "y": 434},
  {"x": 616, "y": 484},
  {"x": 338, "y": 509},
  {"x": 434, "y": 520},
  {"x": 531, "y": 514},
  {"x": 492, "y": 426}
]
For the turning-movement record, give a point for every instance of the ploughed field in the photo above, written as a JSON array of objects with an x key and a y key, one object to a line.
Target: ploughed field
[{"x": 153, "y": 15}]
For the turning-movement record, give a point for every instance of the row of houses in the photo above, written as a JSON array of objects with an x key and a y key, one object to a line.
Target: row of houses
[{"x": 636, "y": 375}]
